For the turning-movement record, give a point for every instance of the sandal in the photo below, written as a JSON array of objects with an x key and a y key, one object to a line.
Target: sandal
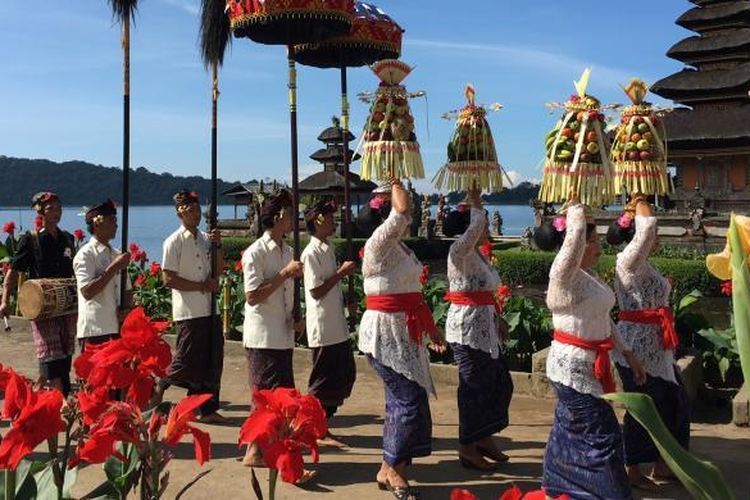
[
  {"x": 401, "y": 492},
  {"x": 496, "y": 455},
  {"x": 307, "y": 475}
]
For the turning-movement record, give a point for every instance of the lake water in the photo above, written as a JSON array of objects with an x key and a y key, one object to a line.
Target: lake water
[{"x": 149, "y": 226}]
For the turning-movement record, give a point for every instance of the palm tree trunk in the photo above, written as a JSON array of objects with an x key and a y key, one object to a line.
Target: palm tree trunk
[{"x": 125, "y": 150}]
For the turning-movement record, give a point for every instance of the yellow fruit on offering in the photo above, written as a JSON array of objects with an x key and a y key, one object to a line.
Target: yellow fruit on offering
[{"x": 718, "y": 264}]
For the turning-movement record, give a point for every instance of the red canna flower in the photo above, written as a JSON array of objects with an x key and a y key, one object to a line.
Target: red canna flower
[
  {"x": 140, "y": 280},
  {"x": 177, "y": 426},
  {"x": 361, "y": 253},
  {"x": 134, "y": 248},
  {"x": 17, "y": 391},
  {"x": 424, "y": 276},
  {"x": 9, "y": 227},
  {"x": 283, "y": 424},
  {"x": 726, "y": 288},
  {"x": 457, "y": 494},
  {"x": 238, "y": 266},
  {"x": 486, "y": 250},
  {"x": 515, "y": 493},
  {"x": 120, "y": 422},
  {"x": 155, "y": 269},
  {"x": 132, "y": 361},
  {"x": 37, "y": 421},
  {"x": 93, "y": 404},
  {"x": 38, "y": 222},
  {"x": 79, "y": 235}
]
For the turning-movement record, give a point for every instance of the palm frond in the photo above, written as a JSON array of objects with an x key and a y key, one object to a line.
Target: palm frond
[
  {"x": 215, "y": 32},
  {"x": 123, "y": 9}
]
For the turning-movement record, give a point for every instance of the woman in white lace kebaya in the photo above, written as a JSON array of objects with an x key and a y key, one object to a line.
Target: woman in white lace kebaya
[
  {"x": 647, "y": 328},
  {"x": 391, "y": 334},
  {"x": 584, "y": 457},
  {"x": 474, "y": 329}
]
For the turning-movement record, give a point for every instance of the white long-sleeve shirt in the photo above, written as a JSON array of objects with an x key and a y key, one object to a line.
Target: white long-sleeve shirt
[
  {"x": 389, "y": 267},
  {"x": 639, "y": 286},
  {"x": 469, "y": 271}
]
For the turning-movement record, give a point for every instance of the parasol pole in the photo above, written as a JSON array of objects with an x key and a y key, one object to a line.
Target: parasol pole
[
  {"x": 125, "y": 151},
  {"x": 347, "y": 187},
  {"x": 295, "y": 172}
]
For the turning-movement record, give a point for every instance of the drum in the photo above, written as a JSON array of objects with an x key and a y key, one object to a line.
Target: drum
[{"x": 48, "y": 298}]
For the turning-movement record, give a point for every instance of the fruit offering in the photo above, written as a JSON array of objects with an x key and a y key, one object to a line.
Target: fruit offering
[
  {"x": 390, "y": 148},
  {"x": 639, "y": 152},
  {"x": 577, "y": 152},
  {"x": 472, "y": 159}
]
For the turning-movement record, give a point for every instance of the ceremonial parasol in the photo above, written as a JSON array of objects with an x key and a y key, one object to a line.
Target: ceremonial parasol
[
  {"x": 577, "y": 159},
  {"x": 290, "y": 23},
  {"x": 472, "y": 158},
  {"x": 373, "y": 36}
]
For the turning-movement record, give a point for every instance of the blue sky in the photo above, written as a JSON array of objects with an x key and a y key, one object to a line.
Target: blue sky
[{"x": 60, "y": 79}]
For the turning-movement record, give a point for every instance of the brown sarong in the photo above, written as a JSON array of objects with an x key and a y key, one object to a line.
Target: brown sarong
[
  {"x": 270, "y": 368},
  {"x": 333, "y": 375}
]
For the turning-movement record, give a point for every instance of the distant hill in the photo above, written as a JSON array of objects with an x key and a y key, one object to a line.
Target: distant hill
[
  {"x": 81, "y": 183},
  {"x": 520, "y": 194}
]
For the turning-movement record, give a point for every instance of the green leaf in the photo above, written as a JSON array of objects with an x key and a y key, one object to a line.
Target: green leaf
[
  {"x": 741, "y": 299},
  {"x": 688, "y": 300},
  {"x": 703, "y": 480}
]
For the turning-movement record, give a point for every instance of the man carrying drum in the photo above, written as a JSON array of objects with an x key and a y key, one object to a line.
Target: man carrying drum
[
  {"x": 47, "y": 253},
  {"x": 98, "y": 267}
]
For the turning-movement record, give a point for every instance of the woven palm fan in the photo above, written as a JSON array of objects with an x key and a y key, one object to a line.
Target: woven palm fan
[
  {"x": 639, "y": 153},
  {"x": 390, "y": 148},
  {"x": 577, "y": 159},
  {"x": 472, "y": 158}
]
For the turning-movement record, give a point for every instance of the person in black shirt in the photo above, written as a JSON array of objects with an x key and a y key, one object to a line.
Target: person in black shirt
[{"x": 47, "y": 253}]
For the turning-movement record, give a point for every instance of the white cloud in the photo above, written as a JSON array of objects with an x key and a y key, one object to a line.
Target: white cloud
[{"x": 527, "y": 56}]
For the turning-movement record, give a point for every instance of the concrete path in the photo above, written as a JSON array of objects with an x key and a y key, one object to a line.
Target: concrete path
[{"x": 351, "y": 474}]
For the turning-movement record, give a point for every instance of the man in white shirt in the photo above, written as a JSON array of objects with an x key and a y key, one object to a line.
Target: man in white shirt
[
  {"x": 98, "y": 269},
  {"x": 186, "y": 269},
  {"x": 268, "y": 330},
  {"x": 333, "y": 373}
]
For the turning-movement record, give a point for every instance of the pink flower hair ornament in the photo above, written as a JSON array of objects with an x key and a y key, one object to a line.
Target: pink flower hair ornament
[
  {"x": 376, "y": 203},
  {"x": 560, "y": 224},
  {"x": 625, "y": 221}
]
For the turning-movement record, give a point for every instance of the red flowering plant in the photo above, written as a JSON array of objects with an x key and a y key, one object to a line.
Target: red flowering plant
[
  {"x": 283, "y": 424},
  {"x": 142, "y": 442},
  {"x": 79, "y": 236},
  {"x": 36, "y": 416},
  {"x": 231, "y": 296},
  {"x": 513, "y": 493},
  {"x": 149, "y": 290},
  {"x": 726, "y": 288}
]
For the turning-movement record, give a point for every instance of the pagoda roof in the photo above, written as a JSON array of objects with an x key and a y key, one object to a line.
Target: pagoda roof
[
  {"x": 335, "y": 135},
  {"x": 708, "y": 128},
  {"x": 716, "y": 15},
  {"x": 333, "y": 154},
  {"x": 690, "y": 85},
  {"x": 726, "y": 45},
  {"x": 330, "y": 181}
]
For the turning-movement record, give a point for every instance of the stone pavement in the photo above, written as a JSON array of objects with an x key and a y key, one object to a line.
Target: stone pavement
[{"x": 351, "y": 474}]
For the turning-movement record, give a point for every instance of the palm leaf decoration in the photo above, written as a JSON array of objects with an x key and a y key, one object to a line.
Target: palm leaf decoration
[
  {"x": 703, "y": 480},
  {"x": 215, "y": 32}
]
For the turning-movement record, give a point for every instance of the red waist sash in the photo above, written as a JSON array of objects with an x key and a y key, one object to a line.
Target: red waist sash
[
  {"x": 662, "y": 316},
  {"x": 602, "y": 365},
  {"x": 418, "y": 315},
  {"x": 474, "y": 299}
]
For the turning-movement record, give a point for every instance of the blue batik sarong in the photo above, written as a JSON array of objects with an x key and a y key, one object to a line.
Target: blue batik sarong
[
  {"x": 671, "y": 402},
  {"x": 585, "y": 456},
  {"x": 484, "y": 392},
  {"x": 407, "y": 431}
]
